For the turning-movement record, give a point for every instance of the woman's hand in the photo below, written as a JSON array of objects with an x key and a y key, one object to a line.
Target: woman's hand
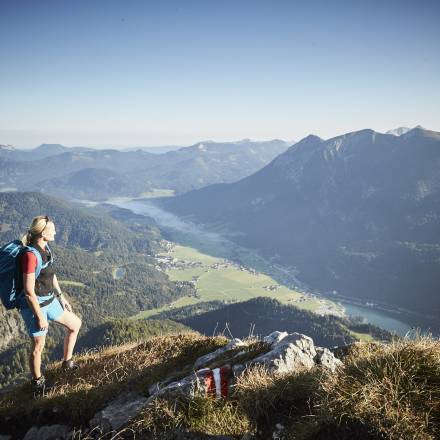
[
  {"x": 65, "y": 304},
  {"x": 42, "y": 324}
]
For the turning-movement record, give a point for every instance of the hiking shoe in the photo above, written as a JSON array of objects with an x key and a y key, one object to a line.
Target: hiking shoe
[
  {"x": 41, "y": 386},
  {"x": 69, "y": 365}
]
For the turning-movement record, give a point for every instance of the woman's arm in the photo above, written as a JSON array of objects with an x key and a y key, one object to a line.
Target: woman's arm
[
  {"x": 31, "y": 297},
  {"x": 66, "y": 305},
  {"x": 56, "y": 285}
]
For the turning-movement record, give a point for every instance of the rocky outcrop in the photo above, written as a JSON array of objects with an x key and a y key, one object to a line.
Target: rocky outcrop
[
  {"x": 286, "y": 353},
  {"x": 11, "y": 327},
  {"x": 216, "y": 355},
  {"x": 289, "y": 353},
  {"x": 51, "y": 432},
  {"x": 213, "y": 374},
  {"x": 119, "y": 412},
  {"x": 327, "y": 359}
]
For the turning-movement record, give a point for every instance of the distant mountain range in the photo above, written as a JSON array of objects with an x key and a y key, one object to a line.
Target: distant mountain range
[
  {"x": 358, "y": 214},
  {"x": 94, "y": 184},
  {"x": 402, "y": 130},
  {"x": 40, "y": 152},
  {"x": 54, "y": 168}
]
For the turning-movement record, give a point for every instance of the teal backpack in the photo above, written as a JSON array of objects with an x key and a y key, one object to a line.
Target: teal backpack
[{"x": 11, "y": 279}]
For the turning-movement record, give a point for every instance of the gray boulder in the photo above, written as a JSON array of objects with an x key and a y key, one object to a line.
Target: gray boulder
[
  {"x": 182, "y": 435},
  {"x": 118, "y": 412},
  {"x": 190, "y": 386},
  {"x": 327, "y": 359},
  {"x": 217, "y": 354},
  {"x": 185, "y": 386},
  {"x": 292, "y": 353},
  {"x": 238, "y": 369},
  {"x": 274, "y": 337},
  {"x": 156, "y": 387},
  {"x": 303, "y": 342},
  {"x": 289, "y": 353},
  {"x": 49, "y": 432}
]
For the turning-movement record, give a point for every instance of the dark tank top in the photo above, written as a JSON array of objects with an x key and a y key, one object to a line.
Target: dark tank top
[{"x": 44, "y": 282}]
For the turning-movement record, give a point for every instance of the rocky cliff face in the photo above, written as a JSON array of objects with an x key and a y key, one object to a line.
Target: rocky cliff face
[{"x": 12, "y": 328}]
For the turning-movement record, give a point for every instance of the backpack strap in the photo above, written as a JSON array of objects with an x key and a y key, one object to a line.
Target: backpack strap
[
  {"x": 39, "y": 260},
  {"x": 50, "y": 253}
]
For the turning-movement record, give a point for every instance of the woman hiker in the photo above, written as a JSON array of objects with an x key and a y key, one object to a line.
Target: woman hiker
[{"x": 43, "y": 301}]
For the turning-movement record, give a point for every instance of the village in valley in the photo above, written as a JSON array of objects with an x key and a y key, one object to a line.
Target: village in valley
[{"x": 217, "y": 278}]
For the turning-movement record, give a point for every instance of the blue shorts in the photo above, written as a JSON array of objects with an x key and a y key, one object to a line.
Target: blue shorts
[{"x": 51, "y": 312}]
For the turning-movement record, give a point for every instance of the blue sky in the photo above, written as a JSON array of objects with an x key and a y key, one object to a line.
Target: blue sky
[{"x": 132, "y": 73}]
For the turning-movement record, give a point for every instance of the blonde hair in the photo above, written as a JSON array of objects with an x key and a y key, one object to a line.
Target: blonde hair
[{"x": 36, "y": 228}]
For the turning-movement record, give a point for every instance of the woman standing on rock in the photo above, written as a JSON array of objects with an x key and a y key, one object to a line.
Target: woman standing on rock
[{"x": 43, "y": 301}]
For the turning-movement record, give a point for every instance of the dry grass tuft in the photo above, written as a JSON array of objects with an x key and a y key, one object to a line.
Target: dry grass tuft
[
  {"x": 205, "y": 415},
  {"x": 393, "y": 389},
  {"x": 262, "y": 393},
  {"x": 107, "y": 372}
]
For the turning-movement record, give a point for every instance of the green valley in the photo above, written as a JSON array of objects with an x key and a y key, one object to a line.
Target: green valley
[{"x": 218, "y": 279}]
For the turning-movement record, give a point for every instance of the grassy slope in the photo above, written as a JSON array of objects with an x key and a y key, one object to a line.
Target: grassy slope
[{"x": 382, "y": 392}]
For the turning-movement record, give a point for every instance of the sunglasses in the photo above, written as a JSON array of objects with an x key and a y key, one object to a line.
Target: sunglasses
[{"x": 46, "y": 217}]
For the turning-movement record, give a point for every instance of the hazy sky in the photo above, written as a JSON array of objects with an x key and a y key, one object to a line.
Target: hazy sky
[{"x": 132, "y": 73}]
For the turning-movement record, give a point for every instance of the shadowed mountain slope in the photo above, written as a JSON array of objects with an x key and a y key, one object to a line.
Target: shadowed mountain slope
[{"x": 359, "y": 214}]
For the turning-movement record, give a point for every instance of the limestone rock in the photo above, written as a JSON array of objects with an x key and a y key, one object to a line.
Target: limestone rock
[
  {"x": 189, "y": 386},
  {"x": 49, "y": 432},
  {"x": 212, "y": 357},
  {"x": 185, "y": 386},
  {"x": 12, "y": 328},
  {"x": 238, "y": 369},
  {"x": 289, "y": 353},
  {"x": 182, "y": 435},
  {"x": 275, "y": 337},
  {"x": 292, "y": 353},
  {"x": 305, "y": 343},
  {"x": 119, "y": 412},
  {"x": 327, "y": 359},
  {"x": 156, "y": 387}
]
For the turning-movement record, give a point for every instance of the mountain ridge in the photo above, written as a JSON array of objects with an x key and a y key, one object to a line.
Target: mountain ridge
[
  {"x": 182, "y": 170},
  {"x": 353, "y": 200}
]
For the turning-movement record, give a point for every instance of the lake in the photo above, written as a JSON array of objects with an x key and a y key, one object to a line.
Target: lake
[{"x": 378, "y": 318}]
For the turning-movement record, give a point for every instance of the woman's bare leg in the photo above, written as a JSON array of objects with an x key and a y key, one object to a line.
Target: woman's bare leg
[
  {"x": 35, "y": 356},
  {"x": 72, "y": 323}
]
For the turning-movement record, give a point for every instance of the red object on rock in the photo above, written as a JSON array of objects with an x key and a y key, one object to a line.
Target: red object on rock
[{"x": 216, "y": 381}]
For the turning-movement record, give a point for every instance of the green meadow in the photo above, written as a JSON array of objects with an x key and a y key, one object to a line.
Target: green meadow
[
  {"x": 71, "y": 283},
  {"x": 229, "y": 283}
]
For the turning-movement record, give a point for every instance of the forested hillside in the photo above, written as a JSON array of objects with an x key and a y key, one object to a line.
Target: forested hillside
[
  {"x": 264, "y": 315},
  {"x": 95, "y": 184},
  {"x": 75, "y": 226}
]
